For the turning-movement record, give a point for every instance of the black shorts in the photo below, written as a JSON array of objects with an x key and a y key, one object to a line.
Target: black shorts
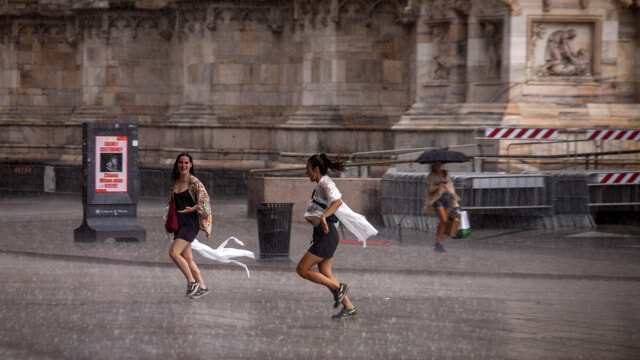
[
  {"x": 445, "y": 201},
  {"x": 188, "y": 227},
  {"x": 324, "y": 245}
]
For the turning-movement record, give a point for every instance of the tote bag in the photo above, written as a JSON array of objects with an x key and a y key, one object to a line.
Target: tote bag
[
  {"x": 171, "y": 225},
  {"x": 464, "y": 231}
]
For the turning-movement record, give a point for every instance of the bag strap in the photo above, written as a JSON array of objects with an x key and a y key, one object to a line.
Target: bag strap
[
  {"x": 332, "y": 218},
  {"x": 323, "y": 206}
]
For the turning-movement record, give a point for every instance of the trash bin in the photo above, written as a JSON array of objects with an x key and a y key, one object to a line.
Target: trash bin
[{"x": 274, "y": 230}]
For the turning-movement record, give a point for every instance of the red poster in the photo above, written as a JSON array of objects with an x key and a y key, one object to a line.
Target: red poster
[{"x": 111, "y": 164}]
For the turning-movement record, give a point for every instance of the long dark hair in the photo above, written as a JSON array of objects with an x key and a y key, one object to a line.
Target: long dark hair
[
  {"x": 322, "y": 162},
  {"x": 175, "y": 174}
]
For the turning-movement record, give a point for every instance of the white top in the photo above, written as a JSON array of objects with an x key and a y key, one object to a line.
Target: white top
[{"x": 327, "y": 192}]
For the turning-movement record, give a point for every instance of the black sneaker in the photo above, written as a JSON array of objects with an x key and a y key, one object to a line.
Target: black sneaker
[
  {"x": 439, "y": 248},
  {"x": 192, "y": 288},
  {"x": 200, "y": 293},
  {"x": 345, "y": 313},
  {"x": 339, "y": 294}
]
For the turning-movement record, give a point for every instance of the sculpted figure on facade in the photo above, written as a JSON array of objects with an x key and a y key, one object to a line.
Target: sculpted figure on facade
[
  {"x": 514, "y": 6},
  {"x": 441, "y": 57},
  {"x": 410, "y": 13},
  {"x": 493, "y": 42},
  {"x": 561, "y": 59}
]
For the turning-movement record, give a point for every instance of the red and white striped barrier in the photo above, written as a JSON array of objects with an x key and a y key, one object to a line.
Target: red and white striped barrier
[
  {"x": 520, "y": 133},
  {"x": 617, "y": 178},
  {"x": 613, "y": 135}
]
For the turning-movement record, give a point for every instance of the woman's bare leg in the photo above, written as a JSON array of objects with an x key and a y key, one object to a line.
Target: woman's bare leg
[
  {"x": 304, "y": 270},
  {"x": 325, "y": 268},
  {"x": 187, "y": 254},
  {"x": 175, "y": 252},
  {"x": 442, "y": 214}
]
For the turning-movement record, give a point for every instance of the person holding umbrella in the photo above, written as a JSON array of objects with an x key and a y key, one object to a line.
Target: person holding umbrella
[{"x": 440, "y": 197}]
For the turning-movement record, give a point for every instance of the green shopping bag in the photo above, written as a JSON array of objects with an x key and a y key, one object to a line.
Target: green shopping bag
[{"x": 464, "y": 231}]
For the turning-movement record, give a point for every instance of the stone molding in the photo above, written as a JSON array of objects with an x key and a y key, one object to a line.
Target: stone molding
[
  {"x": 12, "y": 28},
  {"x": 97, "y": 19}
]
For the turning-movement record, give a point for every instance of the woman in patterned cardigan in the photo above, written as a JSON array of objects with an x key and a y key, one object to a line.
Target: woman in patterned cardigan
[{"x": 194, "y": 214}]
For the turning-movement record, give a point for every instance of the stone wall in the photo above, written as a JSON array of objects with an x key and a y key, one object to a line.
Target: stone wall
[{"x": 249, "y": 84}]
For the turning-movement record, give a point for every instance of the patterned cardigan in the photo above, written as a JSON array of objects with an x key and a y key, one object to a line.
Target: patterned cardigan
[{"x": 203, "y": 204}]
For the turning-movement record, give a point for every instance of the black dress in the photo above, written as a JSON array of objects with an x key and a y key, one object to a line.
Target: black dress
[{"x": 188, "y": 225}]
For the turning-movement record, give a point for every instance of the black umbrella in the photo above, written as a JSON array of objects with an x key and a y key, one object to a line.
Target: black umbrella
[{"x": 442, "y": 155}]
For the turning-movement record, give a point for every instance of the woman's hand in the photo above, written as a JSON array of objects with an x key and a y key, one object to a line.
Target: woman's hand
[
  {"x": 187, "y": 210},
  {"x": 325, "y": 226}
]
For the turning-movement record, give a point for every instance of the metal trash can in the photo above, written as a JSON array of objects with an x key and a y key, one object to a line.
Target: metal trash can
[{"x": 274, "y": 230}]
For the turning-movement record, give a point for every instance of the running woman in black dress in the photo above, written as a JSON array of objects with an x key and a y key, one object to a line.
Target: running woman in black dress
[
  {"x": 194, "y": 213},
  {"x": 325, "y": 235}
]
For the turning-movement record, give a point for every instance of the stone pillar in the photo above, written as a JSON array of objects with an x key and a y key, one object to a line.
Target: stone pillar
[
  {"x": 355, "y": 63},
  {"x": 97, "y": 100},
  {"x": 625, "y": 39},
  {"x": 637, "y": 57},
  {"x": 322, "y": 68},
  {"x": 444, "y": 45},
  {"x": 194, "y": 58},
  {"x": 125, "y": 55}
]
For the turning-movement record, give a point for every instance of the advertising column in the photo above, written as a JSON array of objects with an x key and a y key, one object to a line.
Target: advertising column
[{"x": 111, "y": 186}]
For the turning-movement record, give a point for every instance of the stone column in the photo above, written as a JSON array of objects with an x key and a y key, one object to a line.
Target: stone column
[
  {"x": 626, "y": 39},
  {"x": 194, "y": 58},
  {"x": 322, "y": 68},
  {"x": 355, "y": 62},
  {"x": 441, "y": 63},
  {"x": 637, "y": 57},
  {"x": 124, "y": 60},
  {"x": 97, "y": 100}
]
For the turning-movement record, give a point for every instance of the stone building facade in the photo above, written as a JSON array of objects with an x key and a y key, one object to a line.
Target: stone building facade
[{"x": 246, "y": 84}]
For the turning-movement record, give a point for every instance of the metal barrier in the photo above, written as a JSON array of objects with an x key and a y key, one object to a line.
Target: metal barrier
[
  {"x": 614, "y": 197},
  {"x": 522, "y": 200},
  {"x": 505, "y": 200},
  {"x": 402, "y": 201},
  {"x": 618, "y": 188},
  {"x": 67, "y": 179},
  {"x": 608, "y": 136},
  {"x": 569, "y": 198},
  {"x": 400, "y": 152},
  {"x": 497, "y": 134},
  {"x": 501, "y": 191},
  {"x": 550, "y": 138},
  {"x": 22, "y": 178},
  {"x": 5, "y": 175}
]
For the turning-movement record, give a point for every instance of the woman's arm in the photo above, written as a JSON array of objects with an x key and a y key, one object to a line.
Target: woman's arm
[{"x": 330, "y": 210}]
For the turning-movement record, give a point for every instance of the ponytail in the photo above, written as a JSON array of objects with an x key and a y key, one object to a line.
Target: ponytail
[{"x": 323, "y": 162}]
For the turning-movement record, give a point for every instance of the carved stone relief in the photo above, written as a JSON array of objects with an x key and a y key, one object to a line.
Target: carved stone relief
[
  {"x": 95, "y": 25},
  {"x": 441, "y": 45},
  {"x": 561, "y": 50},
  {"x": 546, "y": 4},
  {"x": 514, "y": 6},
  {"x": 492, "y": 32},
  {"x": 405, "y": 11},
  {"x": 437, "y": 9},
  {"x": 41, "y": 30},
  {"x": 488, "y": 7}
]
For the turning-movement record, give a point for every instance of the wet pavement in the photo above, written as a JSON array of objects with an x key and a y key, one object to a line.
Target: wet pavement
[{"x": 500, "y": 294}]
